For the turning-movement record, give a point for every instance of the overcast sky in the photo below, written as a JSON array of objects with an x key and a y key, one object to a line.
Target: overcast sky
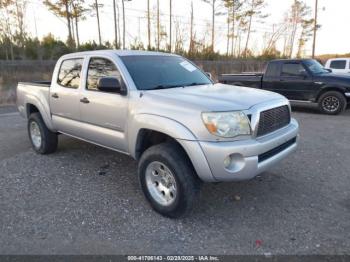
[{"x": 333, "y": 37}]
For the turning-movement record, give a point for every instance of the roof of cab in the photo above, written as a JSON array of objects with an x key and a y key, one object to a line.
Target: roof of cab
[
  {"x": 291, "y": 60},
  {"x": 119, "y": 53}
]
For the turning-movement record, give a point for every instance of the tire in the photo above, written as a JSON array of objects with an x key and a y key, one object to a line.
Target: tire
[
  {"x": 173, "y": 159},
  {"x": 42, "y": 139},
  {"x": 332, "y": 103}
]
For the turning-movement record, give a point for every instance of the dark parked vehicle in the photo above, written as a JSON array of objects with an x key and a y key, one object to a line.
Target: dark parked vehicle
[{"x": 303, "y": 80}]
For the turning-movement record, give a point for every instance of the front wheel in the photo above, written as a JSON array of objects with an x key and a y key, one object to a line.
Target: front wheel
[
  {"x": 332, "y": 103},
  {"x": 168, "y": 179},
  {"x": 42, "y": 139}
]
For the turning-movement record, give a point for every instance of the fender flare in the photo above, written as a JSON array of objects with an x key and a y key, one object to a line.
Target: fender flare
[
  {"x": 158, "y": 123},
  {"x": 177, "y": 131},
  {"x": 44, "y": 110},
  {"x": 330, "y": 88}
]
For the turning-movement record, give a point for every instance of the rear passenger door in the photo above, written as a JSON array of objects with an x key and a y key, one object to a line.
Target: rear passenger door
[
  {"x": 64, "y": 96},
  {"x": 103, "y": 114}
]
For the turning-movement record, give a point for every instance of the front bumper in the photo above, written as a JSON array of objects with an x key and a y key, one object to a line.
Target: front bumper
[{"x": 249, "y": 158}]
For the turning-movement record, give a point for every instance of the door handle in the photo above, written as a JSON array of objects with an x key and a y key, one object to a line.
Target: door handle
[
  {"x": 85, "y": 100},
  {"x": 54, "y": 95}
]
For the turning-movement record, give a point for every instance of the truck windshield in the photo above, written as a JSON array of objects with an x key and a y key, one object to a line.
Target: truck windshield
[
  {"x": 315, "y": 67},
  {"x": 150, "y": 72}
]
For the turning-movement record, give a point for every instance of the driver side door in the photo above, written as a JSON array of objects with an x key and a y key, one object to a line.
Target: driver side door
[
  {"x": 104, "y": 114},
  {"x": 295, "y": 82}
]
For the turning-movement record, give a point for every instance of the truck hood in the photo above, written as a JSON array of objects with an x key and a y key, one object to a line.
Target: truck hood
[{"x": 217, "y": 97}]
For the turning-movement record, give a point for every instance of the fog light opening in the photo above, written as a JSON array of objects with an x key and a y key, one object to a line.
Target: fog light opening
[{"x": 234, "y": 163}]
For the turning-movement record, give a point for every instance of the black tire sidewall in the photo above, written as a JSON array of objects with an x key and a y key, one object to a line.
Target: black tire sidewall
[
  {"x": 37, "y": 119},
  {"x": 48, "y": 138},
  {"x": 180, "y": 170},
  {"x": 339, "y": 96}
]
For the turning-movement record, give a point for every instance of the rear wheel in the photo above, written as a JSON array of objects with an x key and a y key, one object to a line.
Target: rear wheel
[
  {"x": 42, "y": 139},
  {"x": 168, "y": 180},
  {"x": 332, "y": 103}
]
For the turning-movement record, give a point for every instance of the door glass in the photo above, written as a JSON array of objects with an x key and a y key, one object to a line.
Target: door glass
[
  {"x": 272, "y": 70},
  {"x": 70, "y": 72},
  {"x": 98, "y": 68},
  {"x": 338, "y": 64},
  {"x": 292, "y": 69}
]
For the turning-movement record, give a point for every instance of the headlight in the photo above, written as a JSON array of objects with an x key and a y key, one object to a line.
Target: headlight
[{"x": 227, "y": 124}]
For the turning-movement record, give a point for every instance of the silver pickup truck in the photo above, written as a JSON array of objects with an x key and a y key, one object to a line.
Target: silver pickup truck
[{"x": 166, "y": 113}]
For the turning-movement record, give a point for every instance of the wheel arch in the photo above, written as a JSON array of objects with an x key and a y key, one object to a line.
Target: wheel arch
[
  {"x": 36, "y": 107},
  {"x": 144, "y": 124},
  {"x": 149, "y": 130},
  {"x": 330, "y": 88}
]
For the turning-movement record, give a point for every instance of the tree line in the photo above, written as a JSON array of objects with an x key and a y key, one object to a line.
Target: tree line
[{"x": 242, "y": 18}]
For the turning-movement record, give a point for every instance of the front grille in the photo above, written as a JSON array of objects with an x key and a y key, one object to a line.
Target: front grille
[
  {"x": 273, "y": 119},
  {"x": 276, "y": 150}
]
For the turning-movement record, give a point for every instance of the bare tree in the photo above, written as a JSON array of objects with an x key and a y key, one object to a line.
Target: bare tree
[
  {"x": 78, "y": 13},
  {"x": 148, "y": 25},
  {"x": 6, "y": 32},
  {"x": 214, "y": 6},
  {"x": 271, "y": 39},
  {"x": 297, "y": 20},
  {"x": 115, "y": 24},
  {"x": 254, "y": 10},
  {"x": 233, "y": 9},
  {"x": 61, "y": 9},
  {"x": 96, "y": 7},
  {"x": 170, "y": 23},
  {"x": 158, "y": 25},
  {"x": 316, "y": 26},
  {"x": 19, "y": 14},
  {"x": 191, "y": 49},
  {"x": 124, "y": 24}
]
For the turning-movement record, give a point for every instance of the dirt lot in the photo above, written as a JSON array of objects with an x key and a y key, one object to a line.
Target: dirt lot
[{"x": 86, "y": 200}]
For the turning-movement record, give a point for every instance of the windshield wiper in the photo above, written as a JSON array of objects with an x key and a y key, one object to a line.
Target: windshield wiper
[
  {"x": 164, "y": 87},
  {"x": 194, "y": 84},
  {"x": 175, "y": 86}
]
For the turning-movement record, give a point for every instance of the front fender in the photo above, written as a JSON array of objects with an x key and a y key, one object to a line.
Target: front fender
[
  {"x": 331, "y": 87},
  {"x": 176, "y": 130},
  {"x": 157, "y": 123}
]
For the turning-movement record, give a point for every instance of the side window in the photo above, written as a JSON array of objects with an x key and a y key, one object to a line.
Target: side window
[
  {"x": 338, "y": 64},
  {"x": 100, "y": 67},
  {"x": 70, "y": 72},
  {"x": 292, "y": 69},
  {"x": 272, "y": 70}
]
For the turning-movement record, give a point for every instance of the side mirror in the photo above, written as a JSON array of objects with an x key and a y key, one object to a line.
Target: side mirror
[
  {"x": 209, "y": 75},
  {"x": 329, "y": 70},
  {"x": 109, "y": 84}
]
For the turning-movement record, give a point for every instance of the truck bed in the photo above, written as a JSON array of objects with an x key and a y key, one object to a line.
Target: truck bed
[
  {"x": 28, "y": 92},
  {"x": 37, "y": 83},
  {"x": 243, "y": 79}
]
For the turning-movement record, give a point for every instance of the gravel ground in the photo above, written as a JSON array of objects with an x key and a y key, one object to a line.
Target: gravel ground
[{"x": 86, "y": 200}]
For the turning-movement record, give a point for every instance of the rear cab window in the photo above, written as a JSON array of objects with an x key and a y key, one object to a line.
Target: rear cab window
[
  {"x": 70, "y": 73},
  {"x": 338, "y": 64}
]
